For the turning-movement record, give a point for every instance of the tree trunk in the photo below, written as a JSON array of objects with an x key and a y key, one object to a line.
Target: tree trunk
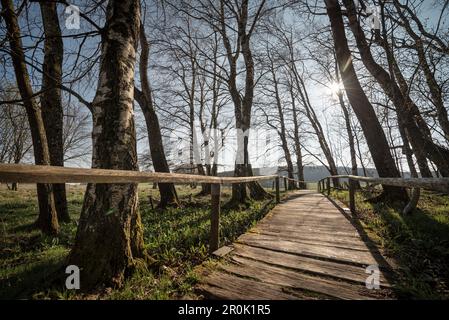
[
  {"x": 242, "y": 106},
  {"x": 47, "y": 220},
  {"x": 434, "y": 88},
  {"x": 374, "y": 134},
  {"x": 296, "y": 138},
  {"x": 354, "y": 169},
  {"x": 316, "y": 125},
  {"x": 423, "y": 147},
  {"x": 282, "y": 132},
  {"x": 51, "y": 104},
  {"x": 145, "y": 100},
  {"x": 109, "y": 240}
]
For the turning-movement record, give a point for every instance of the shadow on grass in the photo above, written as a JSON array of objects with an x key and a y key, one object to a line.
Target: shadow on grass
[
  {"x": 193, "y": 231},
  {"x": 33, "y": 264},
  {"x": 28, "y": 227},
  {"x": 419, "y": 243},
  {"x": 32, "y": 278}
]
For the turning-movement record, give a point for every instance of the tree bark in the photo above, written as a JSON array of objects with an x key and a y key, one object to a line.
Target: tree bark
[
  {"x": 109, "y": 241},
  {"x": 47, "y": 220},
  {"x": 144, "y": 98},
  {"x": 242, "y": 106},
  {"x": 282, "y": 131},
  {"x": 354, "y": 169},
  {"x": 51, "y": 104},
  {"x": 316, "y": 125},
  {"x": 422, "y": 147},
  {"x": 375, "y": 136},
  {"x": 296, "y": 138},
  {"x": 434, "y": 88}
]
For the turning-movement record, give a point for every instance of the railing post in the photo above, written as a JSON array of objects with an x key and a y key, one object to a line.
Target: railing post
[
  {"x": 351, "y": 196},
  {"x": 285, "y": 184},
  {"x": 278, "y": 197},
  {"x": 328, "y": 186},
  {"x": 214, "y": 242}
]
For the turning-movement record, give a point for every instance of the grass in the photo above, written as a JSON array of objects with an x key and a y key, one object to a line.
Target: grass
[
  {"x": 419, "y": 242},
  {"x": 177, "y": 238}
]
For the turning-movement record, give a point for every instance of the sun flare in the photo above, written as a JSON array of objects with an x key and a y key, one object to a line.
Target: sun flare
[{"x": 335, "y": 87}]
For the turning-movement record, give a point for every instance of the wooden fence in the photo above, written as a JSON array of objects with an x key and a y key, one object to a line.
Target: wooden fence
[
  {"x": 50, "y": 174},
  {"x": 434, "y": 184}
]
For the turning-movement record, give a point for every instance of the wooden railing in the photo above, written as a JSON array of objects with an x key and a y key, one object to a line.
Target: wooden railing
[
  {"x": 50, "y": 174},
  {"x": 434, "y": 184}
]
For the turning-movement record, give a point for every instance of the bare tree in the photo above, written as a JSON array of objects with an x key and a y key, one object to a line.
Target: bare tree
[
  {"x": 407, "y": 111},
  {"x": 76, "y": 134},
  {"x": 406, "y": 16},
  {"x": 47, "y": 220},
  {"x": 276, "y": 120},
  {"x": 109, "y": 240},
  {"x": 50, "y": 99},
  {"x": 144, "y": 98},
  {"x": 15, "y": 137},
  {"x": 236, "y": 22},
  {"x": 363, "y": 109}
]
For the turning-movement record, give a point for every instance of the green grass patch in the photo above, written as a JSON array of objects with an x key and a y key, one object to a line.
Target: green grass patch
[
  {"x": 176, "y": 237},
  {"x": 419, "y": 242}
]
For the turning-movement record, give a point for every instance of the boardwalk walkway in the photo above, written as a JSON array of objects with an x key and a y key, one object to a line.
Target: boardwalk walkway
[{"x": 305, "y": 248}]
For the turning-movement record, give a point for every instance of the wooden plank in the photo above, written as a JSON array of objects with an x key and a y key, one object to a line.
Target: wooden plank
[
  {"x": 308, "y": 246},
  {"x": 308, "y": 265},
  {"x": 223, "y": 251},
  {"x": 336, "y": 254},
  {"x": 273, "y": 275},
  {"x": 342, "y": 226},
  {"x": 305, "y": 229},
  {"x": 220, "y": 285},
  {"x": 316, "y": 241},
  {"x": 316, "y": 236},
  {"x": 52, "y": 174}
]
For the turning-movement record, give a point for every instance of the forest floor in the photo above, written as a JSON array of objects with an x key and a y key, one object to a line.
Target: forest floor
[
  {"x": 419, "y": 242},
  {"x": 176, "y": 238}
]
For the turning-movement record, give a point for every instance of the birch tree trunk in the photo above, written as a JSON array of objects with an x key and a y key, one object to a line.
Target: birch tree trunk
[
  {"x": 51, "y": 104},
  {"x": 109, "y": 240},
  {"x": 48, "y": 220}
]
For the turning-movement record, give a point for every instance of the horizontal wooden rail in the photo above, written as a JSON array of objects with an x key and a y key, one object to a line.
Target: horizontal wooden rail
[
  {"x": 435, "y": 184},
  {"x": 52, "y": 174},
  {"x": 296, "y": 180}
]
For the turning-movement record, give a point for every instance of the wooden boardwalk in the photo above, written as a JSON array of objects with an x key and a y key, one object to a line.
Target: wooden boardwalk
[{"x": 305, "y": 248}]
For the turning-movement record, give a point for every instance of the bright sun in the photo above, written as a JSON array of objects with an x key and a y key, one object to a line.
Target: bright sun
[{"x": 335, "y": 87}]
